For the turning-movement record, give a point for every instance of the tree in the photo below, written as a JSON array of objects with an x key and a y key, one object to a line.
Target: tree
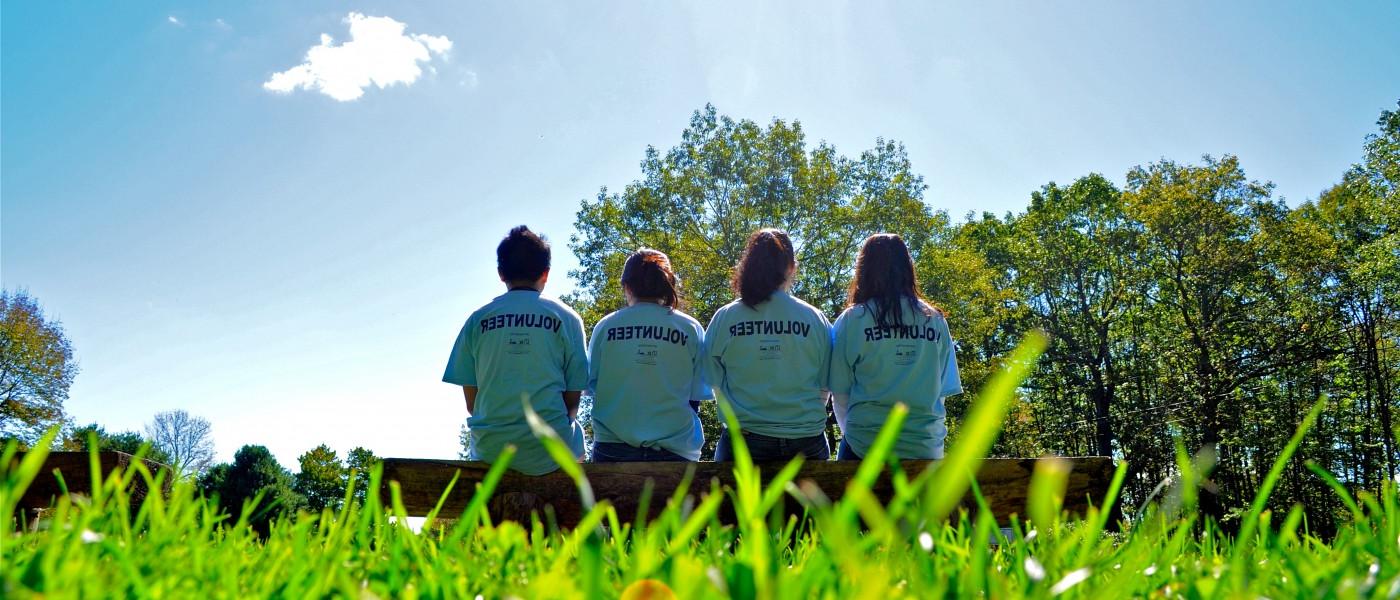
[
  {"x": 358, "y": 464},
  {"x": 322, "y": 478},
  {"x": 700, "y": 200},
  {"x": 187, "y": 439},
  {"x": 1076, "y": 254},
  {"x": 1220, "y": 317},
  {"x": 129, "y": 442},
  {"x": 254, "y": 470},
  {"x": 36, "y": 368}
]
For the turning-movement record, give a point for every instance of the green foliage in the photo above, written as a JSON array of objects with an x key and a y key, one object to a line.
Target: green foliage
[
  {"x": 358, "y": 465},
  {"x": 914, "y": 546},
  {"x": 254, "y": 489},
  {"x": 700, "y": 200},
  {"x": 322, "y": 478},
  {"x": 130, "y": 442},
  {"x": 36, "y": 368}
]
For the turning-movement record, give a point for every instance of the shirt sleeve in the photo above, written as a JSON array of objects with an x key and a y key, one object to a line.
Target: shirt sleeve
[
  {"x": 575, "y": 356},
  {"x": 699, "y": 387},
  {"x": 840, "y": 378},
  {"x": 952, "y": 381},
  {"x": 712, "y": 369},
  {"x": 461, "y": 364},
  {"x": 593, "y": 360},
  {"x": 825, "y": 374}
]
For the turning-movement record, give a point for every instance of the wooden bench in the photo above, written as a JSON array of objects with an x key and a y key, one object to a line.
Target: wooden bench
[
  {"x": 76, "y": 471},
  {"x": 1003, "y": 481}
]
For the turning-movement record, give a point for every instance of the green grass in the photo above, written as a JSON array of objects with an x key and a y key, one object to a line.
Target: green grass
[{"x": 920, "y": 544}]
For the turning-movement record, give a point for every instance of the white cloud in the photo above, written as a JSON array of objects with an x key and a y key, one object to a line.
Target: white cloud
[
  {"x": 222, "y": 24},
  {"x": 378, "y": 53},
  {"x": 174, "y": 21}
]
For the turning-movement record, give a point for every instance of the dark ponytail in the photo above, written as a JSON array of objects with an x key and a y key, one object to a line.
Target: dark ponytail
[
  {"x": 648, "y": 275},
  {"x": 885, "y": 278},
  {"x": 764, "y": 267}
]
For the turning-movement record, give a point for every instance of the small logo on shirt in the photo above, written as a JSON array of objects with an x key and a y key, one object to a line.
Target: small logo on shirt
[
  {"x": 518, "y": 343},
  {"x": 770, "y": 349},
  {"x": 904, "y": 354},
  {"x": 646, "y": 354}
]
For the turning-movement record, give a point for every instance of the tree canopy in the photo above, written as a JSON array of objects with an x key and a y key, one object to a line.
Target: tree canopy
[
  {"x": 36, "y": 368},
  {"x": 700, "y": 200}
]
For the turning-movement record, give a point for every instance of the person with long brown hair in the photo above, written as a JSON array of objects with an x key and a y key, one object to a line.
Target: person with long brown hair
[
  {"x": 645, "y": 370},
  {"x": 767, "y": 355},
  {"x": 890, "y": 346}
]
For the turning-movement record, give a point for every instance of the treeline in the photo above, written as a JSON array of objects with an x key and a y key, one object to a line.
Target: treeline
[
  {"x": 184, "y": 442},
  {"x": 1187, "y": 304}
]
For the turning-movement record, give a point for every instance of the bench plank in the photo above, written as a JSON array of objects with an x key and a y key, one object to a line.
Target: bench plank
[
  {"x": 77, "y": 475},
  {"x": 1003, "y": 481}
]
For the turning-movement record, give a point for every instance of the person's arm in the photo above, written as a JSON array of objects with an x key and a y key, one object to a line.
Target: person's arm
[
  {"x": 469, "y": 392},
  {"x": 571, "y": 404},
  {"x": 839, "y": 404},
  {"x": 576, "y": 369}
]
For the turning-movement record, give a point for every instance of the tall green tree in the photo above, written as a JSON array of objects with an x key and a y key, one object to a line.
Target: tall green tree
[
  {"x": 1218, "y": 314},
  {"x": 253, "y": 471},
  {"x": 358, "y": 464},
  {"x": 36, "y": 368},
  {"x": 1076, "y": 254},
  {"x": 322, "y": 478},
  {"x": 700, "y": 200}
]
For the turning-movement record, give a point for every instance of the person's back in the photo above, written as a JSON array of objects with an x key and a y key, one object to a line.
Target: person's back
[
  {"x": 520, "y": 348},
  {"x": 891, "y": 347},
  {"x": 767, "y": 355},
  {"x": 644, "y": 370}
]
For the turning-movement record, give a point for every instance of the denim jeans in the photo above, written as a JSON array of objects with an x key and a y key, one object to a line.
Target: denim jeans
[
  {"x": 845, "y": 452},
  {"x": 766, "y": 448},
  {"x": 604, "y": 452}
]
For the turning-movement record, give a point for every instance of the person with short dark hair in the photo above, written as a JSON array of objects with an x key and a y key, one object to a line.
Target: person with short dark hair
[
  {"x": 519, "y": 348},
  {"x": 767, "y": 355},
  {"x": 645, "y": 370},
  {"x": 891, "y": 346}
]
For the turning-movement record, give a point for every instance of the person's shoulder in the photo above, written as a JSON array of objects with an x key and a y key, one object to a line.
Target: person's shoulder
[
  {"x": 852, "y": 313},
  {"x": 483, "y": 310},
  {"x": 802, "y": 305},
  {"x": 686, "y": 319},
  {"x": 933, "y": 313},
  {"x": 725, "y": 311},
  {"x": 608, "y": 320},
  {"x": 558, "y": 306}
]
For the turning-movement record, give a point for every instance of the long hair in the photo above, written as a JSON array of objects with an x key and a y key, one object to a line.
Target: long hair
[
  {"x": 885, "y": 279},
  {"x": 648, "y": 275},
  {"x": 763, "y": 269}
]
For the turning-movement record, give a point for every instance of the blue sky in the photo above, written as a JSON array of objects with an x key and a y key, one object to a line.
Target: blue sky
[{"x": 294, "y": 267}]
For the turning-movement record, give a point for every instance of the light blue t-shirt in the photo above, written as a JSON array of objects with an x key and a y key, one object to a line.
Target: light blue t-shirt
[
  {"x": 770, "y": 362},
  {"x": 644, "y": 369},
  {"x": 520, "y": 345},
  {"x": 877, "y": 367}
]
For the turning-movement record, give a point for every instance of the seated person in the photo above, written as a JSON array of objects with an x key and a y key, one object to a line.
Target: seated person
[
  {"x": 520, "y": 347},
  {"x": 890, "y": 346},
  {"x": 644, "y": 370},
  {"x": 767, "y": 355}
]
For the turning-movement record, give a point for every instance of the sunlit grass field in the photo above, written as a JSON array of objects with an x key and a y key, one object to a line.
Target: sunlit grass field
[{"x": 923, "y": 543}]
